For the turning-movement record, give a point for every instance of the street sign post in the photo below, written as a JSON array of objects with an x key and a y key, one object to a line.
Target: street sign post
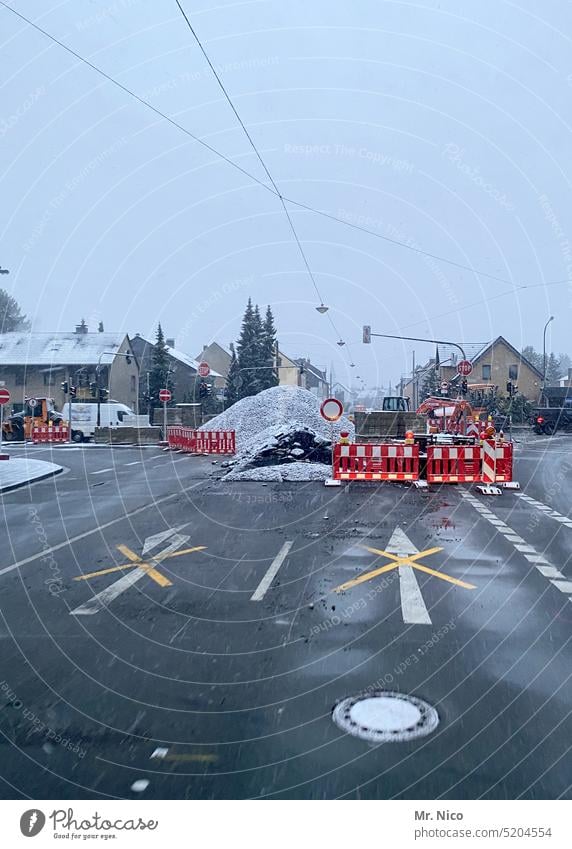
[
  {"x": 165, "y": 396},
  {"x": 4, "y": 398},
  {"x": 464, "y": 367},
  {"x": 204, "y": 369}
]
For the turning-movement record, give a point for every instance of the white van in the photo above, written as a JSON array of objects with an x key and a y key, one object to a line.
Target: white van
[{"x": 84, "y": 418}]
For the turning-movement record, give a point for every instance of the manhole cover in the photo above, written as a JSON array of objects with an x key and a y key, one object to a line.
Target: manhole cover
[{"x": 385, "y": 717}]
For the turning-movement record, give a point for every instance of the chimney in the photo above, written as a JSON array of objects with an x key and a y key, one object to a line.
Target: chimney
[{"x": 170, "y": 343}]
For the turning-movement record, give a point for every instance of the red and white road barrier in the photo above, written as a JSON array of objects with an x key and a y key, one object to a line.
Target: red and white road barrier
[
  {"x": 201, "y": 441},
  {"x": 363, "y": 462},
  {"x": 50, "y": 433},
  {"x": 497, "y": 461},
  {"x": 453, "y": 463}
]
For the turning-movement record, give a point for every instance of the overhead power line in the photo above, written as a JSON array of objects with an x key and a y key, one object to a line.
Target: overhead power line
[
  {"x": 256, "y": 151},
  {"x": 272, "y": 188}
]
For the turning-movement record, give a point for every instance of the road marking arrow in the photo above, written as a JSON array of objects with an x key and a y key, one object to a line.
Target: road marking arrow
[
  {"x": 405, "y": 558},
  {"x": 106, "y": 596}
]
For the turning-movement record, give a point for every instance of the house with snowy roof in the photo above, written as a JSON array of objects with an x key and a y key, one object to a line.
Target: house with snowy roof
[
  {"x": 34, "y": 365},
  {"x": 183, "y": 370}
]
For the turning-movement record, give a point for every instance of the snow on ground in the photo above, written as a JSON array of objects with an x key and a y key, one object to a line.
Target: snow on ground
[
  {"x": 282, "y": 423},
  {"x": 283, "y": 472}
]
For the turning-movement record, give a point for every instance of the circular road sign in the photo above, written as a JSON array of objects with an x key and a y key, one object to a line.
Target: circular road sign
[
  {"x": 464, "y": 367},
  {"x": 164, "y": 395},
  {"x": 204, "y": 369},
  {"x": 32, "y": 403},
  {"x": 331, "y": 410},
  {"x": 4, "y": 396}
]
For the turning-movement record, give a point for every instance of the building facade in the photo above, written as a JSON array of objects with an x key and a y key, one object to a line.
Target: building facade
[
  {"x": 34, "y": 365},
  {"x": 218, "y": 360}
]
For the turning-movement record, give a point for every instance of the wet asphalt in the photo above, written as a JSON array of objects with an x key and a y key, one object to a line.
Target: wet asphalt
[{"x": 191, "y": 685}]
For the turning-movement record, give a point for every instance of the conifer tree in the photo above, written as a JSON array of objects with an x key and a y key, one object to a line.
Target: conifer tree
[
  {"x": 248, "y": 351},
  {"x": 11, "y": 317},
  {"x": 269, "y": 374},
  {"x": 159, "y": 376},
  {"x": 233, "y": 380}
]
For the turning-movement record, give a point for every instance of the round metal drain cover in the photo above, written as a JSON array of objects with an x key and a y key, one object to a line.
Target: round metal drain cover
[{"x": 385, "y": 717}]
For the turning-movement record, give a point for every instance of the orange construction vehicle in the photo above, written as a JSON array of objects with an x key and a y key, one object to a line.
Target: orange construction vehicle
[
  {"x": 446, "y": 415},
  {"x": 19, "y": 425}
]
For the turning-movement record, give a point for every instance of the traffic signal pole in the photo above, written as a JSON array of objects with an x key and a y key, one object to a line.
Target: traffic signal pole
[{"x": 367, "y": 333}]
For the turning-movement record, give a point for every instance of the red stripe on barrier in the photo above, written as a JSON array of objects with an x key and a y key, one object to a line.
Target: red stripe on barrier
[
  {"x": 47, "y": 433},
  {"x": 376, "y": 462}
]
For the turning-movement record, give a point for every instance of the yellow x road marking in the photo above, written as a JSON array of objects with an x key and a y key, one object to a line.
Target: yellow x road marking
[
  {"x": 137, "y": 561},
  {"x": 410, "y": 560}
]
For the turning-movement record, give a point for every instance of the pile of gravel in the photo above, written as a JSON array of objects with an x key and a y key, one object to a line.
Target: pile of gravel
[{"x": 278, "y": 427}]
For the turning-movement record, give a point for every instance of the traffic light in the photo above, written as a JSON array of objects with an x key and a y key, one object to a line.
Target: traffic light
[
  {"x": 93, "y": 389},
  {"x": 73, "y": 391},
  {"x": 511, "y": 388},
  {"x": 65, "y": 387},
  {"x": 464, "y": 386},
  {"x": 103, "y": 393},
  {"x": 367, "y": 334}
]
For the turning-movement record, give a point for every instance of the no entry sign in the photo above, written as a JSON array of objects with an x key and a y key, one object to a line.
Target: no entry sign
[
  {"x": 331, "y": 409},
  {"x": 164, "y": 395},
  {"x": 464, "y": 367},
  {"x": 204, "y": 369},
  {"x": 4, "y": 396}
]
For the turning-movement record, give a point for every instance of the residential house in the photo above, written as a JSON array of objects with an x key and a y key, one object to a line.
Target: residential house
[
  {"x": 316, "y": 381},
  {"x": 183, "y": 372},
  {"x": 494, "y": 364},
  {"x": 36, "y": 364},
  {"x": 219, "y": 360},
  {"x": 289, "y": 373}
]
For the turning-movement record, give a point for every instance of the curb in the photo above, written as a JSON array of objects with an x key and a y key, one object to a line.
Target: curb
[{"x": 11, "y": 486}]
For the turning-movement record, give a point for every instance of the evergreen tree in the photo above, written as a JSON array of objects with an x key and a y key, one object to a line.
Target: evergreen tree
[
  {"x": 233, "y": 380},
  {"x": 269, "y": 377},
  {"x": 248, "y": 351},
  {"x": 430, "y": 384},
  {"x": 533, "y": 357},
  {"x": 11, "y": 317},
  {"x": 159, "y": 377},
  {"x": 553, "y": 370}
]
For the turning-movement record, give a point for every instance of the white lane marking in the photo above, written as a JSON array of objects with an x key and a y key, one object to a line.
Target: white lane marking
[
  {"x": 529, "y": 552},
  {"x": 264, "y": 584},
  {"x": 101, "y": 471},
  {"x": 98, "y": 529},
  {"x": 160, "y": 752},
  {"x": 105, "y": 597},
  {"x": 563, "y": 586},
  {"x": 413, "y": 608},
  {"x": 134, "y": 463},
  {"x": 545, "y": 508}
]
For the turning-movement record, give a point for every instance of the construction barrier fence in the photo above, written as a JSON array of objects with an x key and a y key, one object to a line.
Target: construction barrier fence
[
  {"x": 50, "y": 433},
  {"x": 201, "y": 441},
  {"x": 363, "y": 462},
  {"x": 491, "y": 462}
]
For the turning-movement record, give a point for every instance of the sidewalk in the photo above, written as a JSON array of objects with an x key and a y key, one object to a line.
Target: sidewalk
[{"x": 20, "y": 472}]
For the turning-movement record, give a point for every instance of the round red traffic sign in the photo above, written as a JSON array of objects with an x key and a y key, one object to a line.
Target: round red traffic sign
[
  {"x": 464, "y": 367},
  {"x": 164, "y": 395},
  {"x": 331, "y": 409},
  {"x": 4, "y": 396},
  {"x": 204, "y": 369}
]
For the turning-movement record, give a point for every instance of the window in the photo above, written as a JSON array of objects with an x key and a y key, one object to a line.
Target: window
[
  {"x": 19, "y": 378},
  {"x": 513, "y": 372},
  {"x": 486, "y": 372},
  {"x": 133, "y": 383}
]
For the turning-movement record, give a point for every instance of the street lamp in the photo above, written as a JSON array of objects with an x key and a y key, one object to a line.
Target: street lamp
[
  {"x": 322, "y": 309},
  {"x": 544, "y": 355},
  {"x": 4, "y": 270},
  {"x": 340, "y": 343}
]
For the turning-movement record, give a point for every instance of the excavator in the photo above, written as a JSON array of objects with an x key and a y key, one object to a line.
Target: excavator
[
  {"x": 19, "y": 425},
  {"x": 446, "y": 415}
]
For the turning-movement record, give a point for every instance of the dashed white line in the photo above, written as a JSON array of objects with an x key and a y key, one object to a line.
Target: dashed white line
[
  {"x": 101, "y": 471},
  {"x": 528, "y": 551},
  {"x": 134, "y": 463},
  {"x": 264, "y": 584},
  {"x": 545, "y": 508}
]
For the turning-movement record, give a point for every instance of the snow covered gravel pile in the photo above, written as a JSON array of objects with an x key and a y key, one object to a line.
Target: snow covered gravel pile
[
  {"x": 281, "y": 424},
  {"x": 283, "y": 472}
]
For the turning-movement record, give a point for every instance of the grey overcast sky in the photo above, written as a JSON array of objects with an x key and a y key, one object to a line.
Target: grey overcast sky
[{"x": 446, "y": 125}]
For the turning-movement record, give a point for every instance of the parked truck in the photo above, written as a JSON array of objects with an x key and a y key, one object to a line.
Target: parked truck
[{"x": 547, "y": 420}]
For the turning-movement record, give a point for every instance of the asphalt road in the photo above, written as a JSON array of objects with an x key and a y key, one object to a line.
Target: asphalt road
[{"x": 212, "y": 670}]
